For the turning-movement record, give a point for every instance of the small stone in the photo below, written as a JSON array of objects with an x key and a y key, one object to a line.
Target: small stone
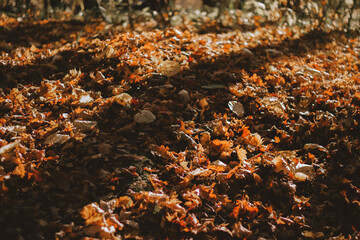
[
  {"x": 144, "y": 117},
  {"x": 184, "y": 95},
  {"x": 42, "y": 222}
]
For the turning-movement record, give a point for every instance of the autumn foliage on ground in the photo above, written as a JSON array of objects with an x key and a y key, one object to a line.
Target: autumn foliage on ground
[{"x": 177, "y": 134}]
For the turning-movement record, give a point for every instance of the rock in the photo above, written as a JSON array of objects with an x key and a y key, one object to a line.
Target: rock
[
  {"x": 184, "y": 95},
  {"x": 144, "y": 117}
]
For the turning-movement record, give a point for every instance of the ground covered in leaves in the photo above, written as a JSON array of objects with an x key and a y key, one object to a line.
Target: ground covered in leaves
[{"x": 179, "y": 133}]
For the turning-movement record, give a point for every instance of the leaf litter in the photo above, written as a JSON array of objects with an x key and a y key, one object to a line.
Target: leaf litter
[{"x": 169, "y": 134}]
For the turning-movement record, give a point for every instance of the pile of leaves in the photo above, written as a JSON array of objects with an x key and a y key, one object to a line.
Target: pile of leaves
[{"x": 175, "y": 134}]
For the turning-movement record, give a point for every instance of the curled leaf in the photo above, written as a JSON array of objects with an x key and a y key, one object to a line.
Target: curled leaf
[
  {"x": 236, "y": 108},
  {"x": 56, "y": 138},
  {"x": 123, "y": 99},
  {"x": 92, "y": 214},
  {"x": 169, "y": 68},
  {"x": 84, "y": 125}
]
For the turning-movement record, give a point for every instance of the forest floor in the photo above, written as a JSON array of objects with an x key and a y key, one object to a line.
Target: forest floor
[{"x": 180, "y": 133}]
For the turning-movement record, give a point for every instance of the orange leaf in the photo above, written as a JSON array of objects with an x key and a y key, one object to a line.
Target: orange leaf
[{"x": 245, "y": 131}]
